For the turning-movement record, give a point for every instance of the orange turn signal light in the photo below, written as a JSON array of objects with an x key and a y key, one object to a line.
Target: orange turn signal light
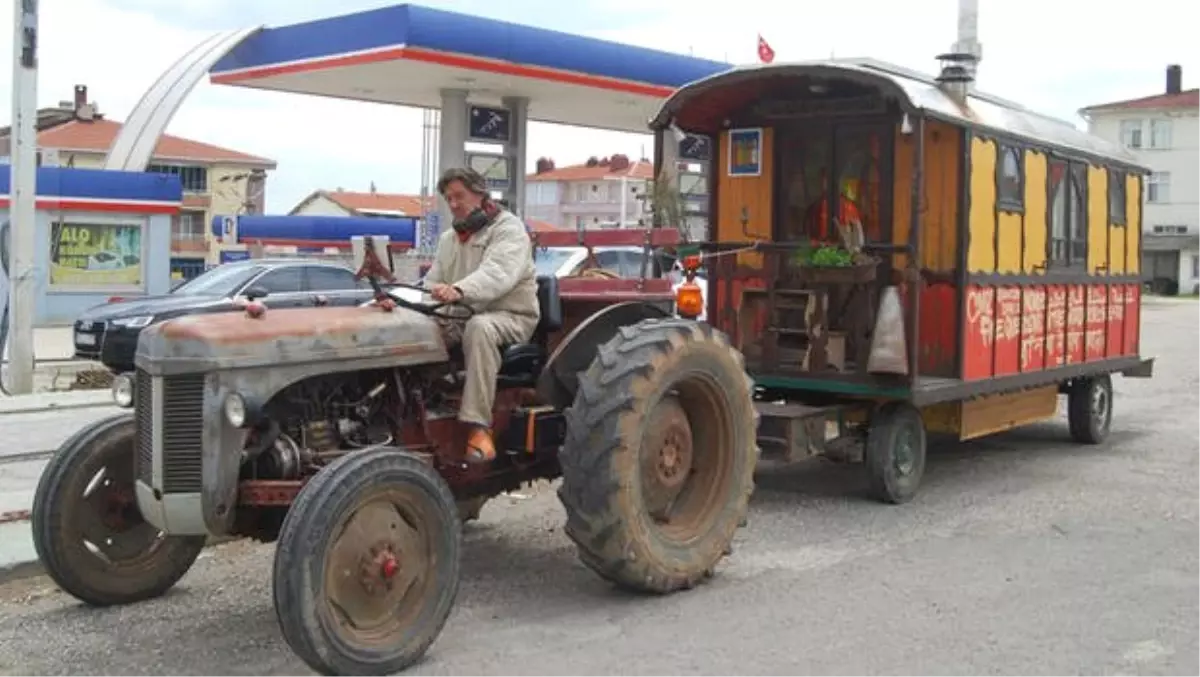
[{"x": 689, "y": 300}]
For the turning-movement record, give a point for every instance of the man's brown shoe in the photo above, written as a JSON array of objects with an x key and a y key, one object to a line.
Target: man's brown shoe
[{"x": 480, "y": 448}]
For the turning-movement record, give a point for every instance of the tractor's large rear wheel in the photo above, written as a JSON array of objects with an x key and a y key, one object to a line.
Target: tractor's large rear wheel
[
  {"x": 658, "y": 461},
  {"x": 366, "y": 570}
]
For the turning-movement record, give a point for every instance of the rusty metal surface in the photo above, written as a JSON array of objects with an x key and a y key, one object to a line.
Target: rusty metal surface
[
  {"x": 234, "y": 340},
  {"x": 269, "y": 493},
  {"x": 667, "y": 457},
  {"x": 575, "y": 351}
]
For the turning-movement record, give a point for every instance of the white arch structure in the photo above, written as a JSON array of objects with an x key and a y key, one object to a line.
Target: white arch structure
[{"x": 134, "y": 145}]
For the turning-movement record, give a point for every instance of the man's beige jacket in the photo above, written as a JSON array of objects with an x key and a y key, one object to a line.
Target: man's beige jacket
[{"x": 493, "y": 269}]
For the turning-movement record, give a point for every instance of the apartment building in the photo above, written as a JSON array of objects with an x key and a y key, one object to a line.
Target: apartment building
[
  {"x": 1163, "y": 131},
  {"x": 602, "y": 192},
  {"x": 216, "y": 181}
]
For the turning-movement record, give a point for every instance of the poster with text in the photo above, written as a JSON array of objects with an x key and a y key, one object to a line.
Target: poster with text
[
  {"x": 745, "y": 152},
  {"x": 95, "y": 254}
]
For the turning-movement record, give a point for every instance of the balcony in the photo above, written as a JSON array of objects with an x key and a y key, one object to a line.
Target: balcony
[{"x": 188, "y": 242}]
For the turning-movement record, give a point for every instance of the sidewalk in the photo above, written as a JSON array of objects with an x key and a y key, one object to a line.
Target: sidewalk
[
  {"x": 56, "y": 367},
  {"x": 37, "y": 434}
]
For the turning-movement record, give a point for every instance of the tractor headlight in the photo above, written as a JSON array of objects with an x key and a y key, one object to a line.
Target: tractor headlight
[
  {"x": 235, "y": 410},
  {"x": 122, "y": 390}
]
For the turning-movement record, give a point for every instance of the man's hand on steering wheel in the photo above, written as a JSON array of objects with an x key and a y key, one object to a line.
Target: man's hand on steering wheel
[{"x": 445, "y": 293}]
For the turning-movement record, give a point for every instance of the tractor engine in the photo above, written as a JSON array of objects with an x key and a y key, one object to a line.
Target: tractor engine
[{"x": 312, "y": 422}]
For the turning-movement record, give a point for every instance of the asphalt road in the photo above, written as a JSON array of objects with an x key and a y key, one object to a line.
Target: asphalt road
[{"x": 1024, "y": 554}]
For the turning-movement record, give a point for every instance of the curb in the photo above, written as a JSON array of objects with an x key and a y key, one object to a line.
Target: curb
[
  {"x": 53, "y": 406},
  {"x": 24, "y": 569}
]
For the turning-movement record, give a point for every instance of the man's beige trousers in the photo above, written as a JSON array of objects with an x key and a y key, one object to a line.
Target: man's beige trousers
[{"x": 481, "y": 338}]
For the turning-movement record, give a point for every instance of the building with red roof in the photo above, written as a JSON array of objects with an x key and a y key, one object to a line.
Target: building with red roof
[
  {"x": 602, "y": 191},
  {"x": 216, "y": 181}
]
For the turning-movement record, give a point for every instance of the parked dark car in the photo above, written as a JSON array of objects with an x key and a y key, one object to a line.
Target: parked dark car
[{"x": 108, "y": 333}]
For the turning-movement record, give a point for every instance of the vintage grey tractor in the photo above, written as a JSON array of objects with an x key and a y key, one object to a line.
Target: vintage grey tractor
[{"x": 332, "y": 432}]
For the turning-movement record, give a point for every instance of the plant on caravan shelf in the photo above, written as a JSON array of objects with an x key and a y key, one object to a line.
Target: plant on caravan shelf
[{"x": 830, "y": 255}]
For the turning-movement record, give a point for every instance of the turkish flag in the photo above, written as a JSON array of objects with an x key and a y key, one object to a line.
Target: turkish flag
[{"x": 765, "y": 53}]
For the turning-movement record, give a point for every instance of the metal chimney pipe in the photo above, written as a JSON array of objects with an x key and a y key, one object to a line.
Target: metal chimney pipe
[{"x": 968, "y": 36}]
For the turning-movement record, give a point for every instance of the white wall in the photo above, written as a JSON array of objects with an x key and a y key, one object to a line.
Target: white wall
[
  {"x": 1189, "y": 262},
  {"x": 1179, "y": 160}
]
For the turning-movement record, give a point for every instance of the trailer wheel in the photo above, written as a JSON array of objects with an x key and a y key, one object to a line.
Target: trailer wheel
[
  {"x": 1089, "y": 408},
  {"x": 659, "y": 455},
  {"x": 87, "y": 529},
  {"x": 895, "y": 452},
  {"x": 367, "y": 566}
]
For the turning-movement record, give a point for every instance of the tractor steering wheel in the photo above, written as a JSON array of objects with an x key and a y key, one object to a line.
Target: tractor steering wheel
[{"x": 431, "y": 309}]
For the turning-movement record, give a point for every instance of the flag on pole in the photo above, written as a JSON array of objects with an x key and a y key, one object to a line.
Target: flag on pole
[{"x": 765, "y": 53}]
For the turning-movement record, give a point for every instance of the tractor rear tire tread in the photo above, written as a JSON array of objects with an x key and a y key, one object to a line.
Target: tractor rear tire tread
[{"x": 600, "y": 518}]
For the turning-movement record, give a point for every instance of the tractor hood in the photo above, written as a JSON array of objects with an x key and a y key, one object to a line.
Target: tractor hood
[{"x": 288, "y": 337}]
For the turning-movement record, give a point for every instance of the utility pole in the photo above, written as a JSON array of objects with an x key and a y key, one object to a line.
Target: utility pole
[{"x": 23, "y": 197}]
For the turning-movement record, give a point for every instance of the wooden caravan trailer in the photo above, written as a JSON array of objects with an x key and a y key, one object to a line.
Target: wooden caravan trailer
[{"x": 997, "y": 268}]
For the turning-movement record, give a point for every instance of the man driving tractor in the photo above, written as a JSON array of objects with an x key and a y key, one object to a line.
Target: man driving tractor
[{"x": 485, "y": 262}]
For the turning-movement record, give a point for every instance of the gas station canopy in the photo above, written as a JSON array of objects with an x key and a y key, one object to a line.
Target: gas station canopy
[{"x": 407, "y": 54}]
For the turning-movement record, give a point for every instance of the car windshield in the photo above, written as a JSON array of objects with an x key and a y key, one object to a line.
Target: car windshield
[
  {"x": 548, "y": 261},
  {"x": 220, "y": 281}
]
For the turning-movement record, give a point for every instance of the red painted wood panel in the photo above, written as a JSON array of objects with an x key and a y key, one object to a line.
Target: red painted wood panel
[
  {"x": 938, "y": 329},
  {"x": 1033, "y": 329},
  {"x": 1076, "y": 311},
  {"x": 1056, "y": 325},
  {"x": 1096, "y": 322},
  {"x": 1133, "y": 321},
  {"x": 728, "y": 322},
  {"x": 980, "y": 332},
  {"x": 1114, "y": 327},
  {"x": 1008, "y": 331}
]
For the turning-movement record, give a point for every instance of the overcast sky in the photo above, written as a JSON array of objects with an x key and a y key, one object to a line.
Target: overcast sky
[{"x": 1055, "y": 56}]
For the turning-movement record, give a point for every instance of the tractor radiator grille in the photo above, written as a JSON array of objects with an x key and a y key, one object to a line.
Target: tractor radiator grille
[
  {"x": 182, "y": 420},
  {"x": 144, "y": 414}
]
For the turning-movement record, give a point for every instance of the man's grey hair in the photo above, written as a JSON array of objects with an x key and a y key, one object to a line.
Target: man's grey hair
[{"x": 469, "y": 178}]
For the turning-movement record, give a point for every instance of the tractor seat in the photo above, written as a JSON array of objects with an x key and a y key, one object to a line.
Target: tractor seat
[{"x": 521, "y": 363}]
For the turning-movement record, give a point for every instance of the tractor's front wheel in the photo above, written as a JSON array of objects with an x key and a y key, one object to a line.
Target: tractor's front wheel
[
  {"x": 658, "y": 461},
  {"x": 87, "y": 529},
  {"x": 367, "y": 565}
]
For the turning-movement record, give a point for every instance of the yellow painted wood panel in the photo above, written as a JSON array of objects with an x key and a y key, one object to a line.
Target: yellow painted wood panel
[
  {"x": 1008, "y": 255},
  {"x": 1133, "y": 225},
  {"x": 750, "y": 192},
  {"x": 1097, "y": 218},
  {"x": 981, "y": 255},
  {"x": 1116, "y": 249},
  {"x": 1034, "y": 259}
]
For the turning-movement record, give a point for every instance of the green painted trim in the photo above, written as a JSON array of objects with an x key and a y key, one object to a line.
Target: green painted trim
[{"x": 830, "y": 386}]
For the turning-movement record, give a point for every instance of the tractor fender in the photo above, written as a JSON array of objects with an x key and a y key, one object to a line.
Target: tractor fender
[{"x": 559, "y": 379}]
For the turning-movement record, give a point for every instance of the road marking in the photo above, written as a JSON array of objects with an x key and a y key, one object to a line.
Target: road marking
[
  {"x": 22, "y": 456},
  {"x": 1147, "y": 651}
]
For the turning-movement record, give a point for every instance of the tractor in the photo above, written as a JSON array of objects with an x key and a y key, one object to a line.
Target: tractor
[{"x": 332, "y": 433}]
